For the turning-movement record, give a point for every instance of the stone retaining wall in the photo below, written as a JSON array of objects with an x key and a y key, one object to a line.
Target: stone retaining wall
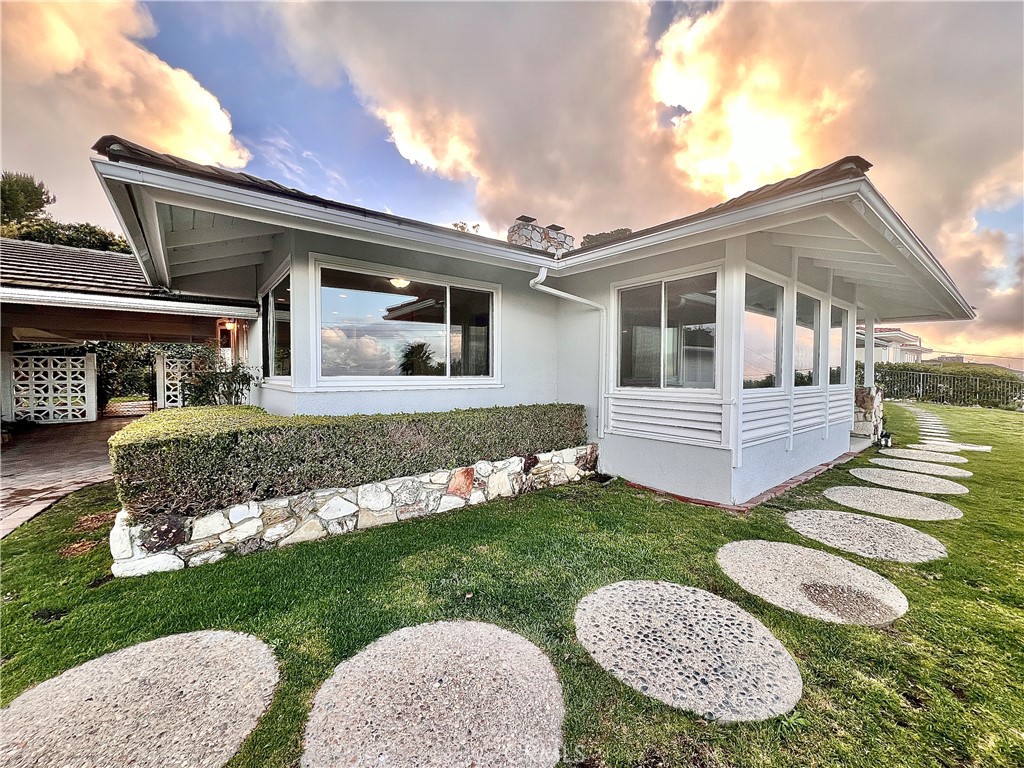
[{"x": 172, "y": 542}]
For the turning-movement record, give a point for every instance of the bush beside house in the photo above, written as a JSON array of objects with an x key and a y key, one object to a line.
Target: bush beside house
[{"x": 189, "y": 461}]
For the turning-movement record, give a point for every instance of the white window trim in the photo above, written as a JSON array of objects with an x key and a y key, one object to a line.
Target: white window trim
[
  {"x": 823, "y": 304},
  {"x": 323, "y": 261},
  {"x": 701, "y": 394},
  {"x": 849, "y": 337},
  {"x": 780, "y": 281},
  {"x": 268, "y": 338}
]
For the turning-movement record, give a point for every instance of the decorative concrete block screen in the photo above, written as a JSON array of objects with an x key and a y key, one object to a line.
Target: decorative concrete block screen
[
  {"x": 198, "y": 484},
  {"x": 169, "y": 543},
  {"x": 54, "y": 389}
]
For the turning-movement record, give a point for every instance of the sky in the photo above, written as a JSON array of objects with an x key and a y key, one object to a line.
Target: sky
[{"x": 590, "y": 115}]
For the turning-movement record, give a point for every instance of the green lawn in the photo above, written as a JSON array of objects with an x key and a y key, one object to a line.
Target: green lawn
[{"x": 943, "y": 686}]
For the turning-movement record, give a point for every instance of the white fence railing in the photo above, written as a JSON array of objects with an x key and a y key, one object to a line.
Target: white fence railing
[{"x": 949, "y": 388}]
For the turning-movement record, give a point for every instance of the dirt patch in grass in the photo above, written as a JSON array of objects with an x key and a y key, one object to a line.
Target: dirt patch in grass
[
  {"x": 90, "y": 523},
  {"x": 46, "y": 615},
  {"x": 851, "y": 604},
  {"x": 100, "y": 581},
  {"x": 79, "y": 547}
]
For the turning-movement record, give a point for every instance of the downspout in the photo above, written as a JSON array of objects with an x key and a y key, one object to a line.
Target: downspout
[{"x": 537, "y": 285}]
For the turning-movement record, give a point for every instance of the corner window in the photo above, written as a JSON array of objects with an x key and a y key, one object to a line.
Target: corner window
[
  {"x": 806, "y": 341},
  {"x": 762, "y": 334},
  {"x": 837, "y": 340},
  {"x": 667, "y": 334},
  {"x": 379, "y": 326},
  {"x": 277, "y": 330}
]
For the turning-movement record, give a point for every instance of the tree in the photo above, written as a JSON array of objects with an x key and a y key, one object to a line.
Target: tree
[
  {"x": 462, "y": 226},
  {"x": 46, "y": 230},
  {"x": 418, "y": 360},
  {"x": 604, "y": 237},
  {"x": 22, "y": 198}
]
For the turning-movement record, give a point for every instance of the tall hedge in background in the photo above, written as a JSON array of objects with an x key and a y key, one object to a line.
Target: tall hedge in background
[{"x": 191, "y": 461}]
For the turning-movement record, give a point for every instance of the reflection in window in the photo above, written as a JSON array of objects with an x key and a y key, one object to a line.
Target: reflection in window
[
  {"x": 690, "y": 332},
  {"x": 687, "y": 308},
  {"x": 806, "y": 341},
  {"x": 837, "y": 335},
  {"x": 762, "y": 337},
  {"x": 640, "y": 337},
  {"x": 379, "y": 326},
  {"x": 277, "y": 330}
]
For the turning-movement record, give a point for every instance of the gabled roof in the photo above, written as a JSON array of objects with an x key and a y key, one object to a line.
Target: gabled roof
[
  {"x": 118, "y": 149},
  {"x": 40, "y": 266}
]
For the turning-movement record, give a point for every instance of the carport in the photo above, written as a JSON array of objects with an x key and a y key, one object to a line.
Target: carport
[{"x": 61, "y": 296}]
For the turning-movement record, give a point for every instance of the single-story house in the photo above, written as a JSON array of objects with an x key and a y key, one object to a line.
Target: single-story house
[
  {"x": 714, "y": 353},
  {"x": 893, "y": 345}
]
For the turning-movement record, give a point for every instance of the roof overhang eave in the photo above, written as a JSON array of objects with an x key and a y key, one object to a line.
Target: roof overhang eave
[{"x": 47, "y": 298}]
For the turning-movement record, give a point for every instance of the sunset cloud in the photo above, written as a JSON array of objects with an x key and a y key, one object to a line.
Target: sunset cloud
[
  {"x": 75, "y": 71},
  {"x": 554, "y": 110}
]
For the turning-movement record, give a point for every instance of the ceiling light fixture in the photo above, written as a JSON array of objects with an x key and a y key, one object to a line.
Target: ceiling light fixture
[{"x": 399, "y": 282}]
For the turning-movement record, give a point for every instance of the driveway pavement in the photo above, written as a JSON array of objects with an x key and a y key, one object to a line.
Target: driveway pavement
[{"x": 49, "y": 462}]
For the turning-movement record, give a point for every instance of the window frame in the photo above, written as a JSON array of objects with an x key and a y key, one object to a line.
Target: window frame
[
  {"x": 849, "y": 335},
  {"x": 661, "y": 391},
  {"x": 780, "y": 281},
  {"x": 322, "y": 261},
  {"x": 821, "y": 339},
  {"x": 269, "y": 335}
]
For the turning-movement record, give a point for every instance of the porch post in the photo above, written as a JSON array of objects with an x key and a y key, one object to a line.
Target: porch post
[
  {"x": 7, "y": 373},
  {"x": 731, "y": 299},
  {"x": 869, "y": 351}
]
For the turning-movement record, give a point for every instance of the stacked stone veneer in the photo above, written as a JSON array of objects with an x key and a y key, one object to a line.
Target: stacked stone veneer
[
  {"x": 553, "y": 241},
  {"x": 867, "y": 412},
  {"x": 171, "y": 542}
]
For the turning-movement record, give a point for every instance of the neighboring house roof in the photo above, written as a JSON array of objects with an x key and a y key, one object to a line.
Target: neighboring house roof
[{"x": 26, "y": 264}]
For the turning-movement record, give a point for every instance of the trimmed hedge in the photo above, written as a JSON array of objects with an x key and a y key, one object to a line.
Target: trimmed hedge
[{"x": 191, "y": 461}]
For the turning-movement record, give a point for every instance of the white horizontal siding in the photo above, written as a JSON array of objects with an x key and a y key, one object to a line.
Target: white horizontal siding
[
  {"x": 764, "y": 416},
  {"x": 809, "y": 408},
  {"x": 662, "y": 418},
  {"x": 840, "y": 405}
]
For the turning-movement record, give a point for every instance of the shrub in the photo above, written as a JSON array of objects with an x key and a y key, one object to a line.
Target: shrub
[{"x": 189, "y": 461}]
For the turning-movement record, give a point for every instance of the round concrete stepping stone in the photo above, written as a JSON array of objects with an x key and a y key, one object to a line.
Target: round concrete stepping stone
[
  {"x": 924, "y": 467},
  {"x": 867, "y": 536},
  {"x": 922, "y": 455},
  {"x": 934, "y": 433},
  {"x": 908, "y": 481},
  {"x": 962, "y": 446},
  {"x": 882, "y": 501},
  {"x": 450, "y": 693},
  {"x": 689, "y": 649},
  {"x": 941, "y": 447},
  {"x": 812, "y": 583},
  {"x": 188, "y": 699}
]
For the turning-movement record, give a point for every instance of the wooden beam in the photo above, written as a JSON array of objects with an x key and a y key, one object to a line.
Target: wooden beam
[
  {"x": 859, "y": 268},
  {"x": 220, "y": 234},
  {"x": 841, "y": 257},
  {"x": 840, "y": 244},
  {"x": 819, "y": 227},
  {"x": 224, "y": 250},
  {"x": 217, "y": 265}
]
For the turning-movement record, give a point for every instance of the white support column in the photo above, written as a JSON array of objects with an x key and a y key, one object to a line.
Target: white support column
[
  {"x": 789, "y": 344},
  {"x": 160, "y": 365},
  {"x": 869, "y": 350},
  {"x": 824, "y": 348},
  {"x": 7, "y": 374},
  {"x": 731, "y": 295},
  {"x": 90, "y": 387}
]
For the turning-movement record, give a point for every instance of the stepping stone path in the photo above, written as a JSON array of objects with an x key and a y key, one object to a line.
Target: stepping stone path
[
  {"x": 882, "y": 501},
  {"x": 922, "y": 455},
  {"x": 451, "y": 693},
  {"x": 188, "y": 699},
  {"x": 867, "y": 536},
  {"x": 689, "y": 649},
  {"x": 812, "y": 583},
  {"x": 908, "y": 481},
  {"x": 924, "y": 467}
]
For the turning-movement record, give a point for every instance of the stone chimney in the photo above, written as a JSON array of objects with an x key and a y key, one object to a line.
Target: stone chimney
[{"x": 551, "y": 239}]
